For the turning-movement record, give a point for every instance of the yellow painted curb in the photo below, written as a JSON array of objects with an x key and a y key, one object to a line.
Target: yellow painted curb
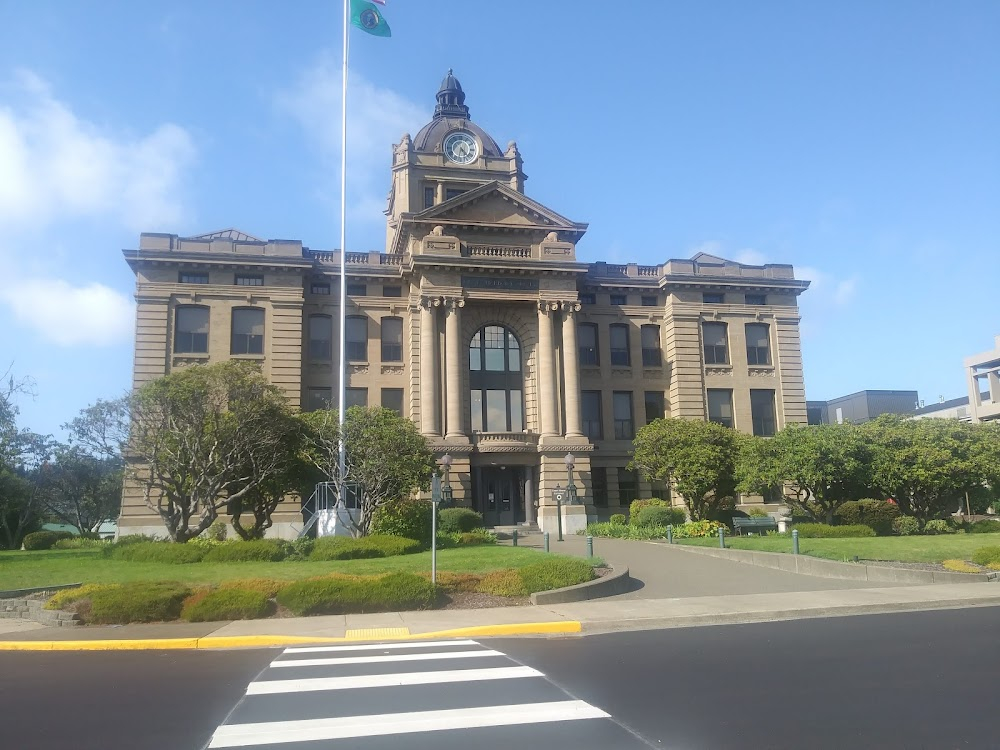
[{"x": 273, "y": 641}]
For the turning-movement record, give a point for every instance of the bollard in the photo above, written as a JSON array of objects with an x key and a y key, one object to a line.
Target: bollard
[
  {"x": 722, "y": 537},
  {"x": 590, "y": 546},
  {"x": 670, "y": 534},
  {"x": 513, "y": 537},
  {"x": 545, "y": 540},
  {"x": 795, "y": 541}
]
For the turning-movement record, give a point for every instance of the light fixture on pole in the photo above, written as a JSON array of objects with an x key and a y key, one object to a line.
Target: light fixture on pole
[
  {"x": 570, "y": 462},
  {"x": 446, "y": 461}
]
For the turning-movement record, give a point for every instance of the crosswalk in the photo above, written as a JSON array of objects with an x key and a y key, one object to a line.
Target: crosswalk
[{"x": 444, "y": 695}]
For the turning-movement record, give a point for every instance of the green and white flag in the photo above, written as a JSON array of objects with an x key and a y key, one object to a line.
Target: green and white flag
[{"x": 368, "y": 18}]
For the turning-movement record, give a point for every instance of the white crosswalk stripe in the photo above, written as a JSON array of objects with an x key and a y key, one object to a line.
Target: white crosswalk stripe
[{"x": 435, "y": 694}]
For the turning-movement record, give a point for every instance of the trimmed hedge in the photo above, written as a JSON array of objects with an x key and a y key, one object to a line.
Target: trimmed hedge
[
  {"x": 450, "y": 581},
  {"x": 695, "y": 529},
  {"x": 879, "y": 514},
  {"x": 267, "y": 586},
  {"x": 622, "y": 531},
  {"x": 80, "y": 542},
  {"x": 257, "y": 550},
  {"x": 555, "y": 573},
  {"x": 342, "y": 595},
  {"x": 906, "y": 526},
  {"x": 159, "y": 552},
  {"x": 503, "y": 583},
  {"x": 349, "y": 548},
  {"x": 62, "y": 599},
  {"x": 986, "y": 556},
  {"x": 143, "y": 601},
  {"x": 40, "y": 540},
  {"x": 637, "y": 506},
  {"x": 984, "y": 526},
  {"x": 938, "y": 526},
  {"x": 618, "y": 519},
  {"x": 825, "y": 531},
  {"x": 654, "y": 515},
  {"x": 227, "y": 604},
  {"x": 409, "y": 518},
  {"x": 459, "y": 520}
]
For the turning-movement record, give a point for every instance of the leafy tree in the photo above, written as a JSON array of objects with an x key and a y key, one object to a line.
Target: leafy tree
[
  {"x": 697, "y": 458},
  {"x": 385, "y": 456},
  {"x": 21, "y": 498},
  {"x": 81, "y": 489},
  {"x": 817, "y": 467},
  {"x": 101, "y": 429},
  {"x": 202, "y": 437}
]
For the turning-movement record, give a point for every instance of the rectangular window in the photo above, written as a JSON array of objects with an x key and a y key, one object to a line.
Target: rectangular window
[
  {"x": 516, "y": 412},
  {"x": 716, "y": 349},
  {"x": 624, "y": 424},
  {"x": 720, "y": 406},
  {"x": 357, "y": 290},
  {"x": 356, "y": 397},
  {"x": 392, "y": 339},
  {"x": 649, "y": 301},
  {"x": 319, "y": 398},
  {"x": 654, "y": 405},
  {"x": 619, "y": 299},
  {"x": 587, "y": 335},
  {"x": 758, "y": 344},
  {"x": 450, "y": 193},
  {"x": 590, "y": 406},
  {"x": 320, "y": 337},
  {"x": 248, "y": 331},
  {"x": 620, "y": 355},
  {"x": 599, "y": 484},
  {"x": 319, "y": 287},
  {"x": 191, "y": 277},
  {"x": 392, "y": 291},
  {"x": 651, "y": 354},
  {"x": 762, "y": 412},
  {"x": 713, "y": 298},
  {"x": 496, "y": 411},
  {"x": 477, "y": 410},
  {"x": 191, "y": 330},
  {"x": 756, "y": 299},
  {"x": 628, "y": 486},
  {"x": 357, "y": 339},
  {"x": 249, "y": 279},
  {"x": 428, "y": 197},
  {"x": 392, "y": 399},
  {"x": 588, "y": 299}
]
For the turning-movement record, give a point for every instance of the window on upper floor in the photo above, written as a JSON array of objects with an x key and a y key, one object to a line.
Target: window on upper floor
[
  {"x": 319, "y": 398},
  {"x": 249, "y": 279},
  {"x": 392, "y": 399},
  {"x": 590, "y": 409},
  {"x": 588, "y": 298},
  {"x": 319, "y": 287},
  {"x": 193, "y": 277},
  {"x": 720, "y": 406},
  {"x": 248, "y": 331},
  {"x": 758, "y": 344},
  {"x": 649, "y": 300},
  {"x": 619, "y": 299},
  {"x": 756, "y": 299},
  {"x": 392, "y": 339},
  {"x": 191, "y": 330},
  {"x": 624, "y": 422},
  {"x": 320, "y": 337},
  {"x": 716, "y": 343},
  {"x": 652, "y": 356},
  {"x": 450, "y": 193},
  {"x": 618, "y": 335},
  {"x": 356, "y": 397},
  {"x": 762, "y": 411},
  {"x": 654, "y": 405},
  {"x": 428, "y": 197},
  {"x": 587, "y": 344},
  {"x": 713, "y": 298},
  {"x": 392, "y": 291},
  {"x": 356, "y": 340},
  {"x": 357, "y": 290}
]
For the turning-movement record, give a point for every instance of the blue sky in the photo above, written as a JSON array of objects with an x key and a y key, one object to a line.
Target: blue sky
[{"x": 855, "y": 140}]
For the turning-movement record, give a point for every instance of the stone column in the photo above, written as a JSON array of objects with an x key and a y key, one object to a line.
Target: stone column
[
  {"x": 453, "y": 368},
  {"x": 571, "y": 370},
  {"x": 529, "y": 495},
  {"x": 546, "y": 372},
  {"x": 428, "y": 367}
]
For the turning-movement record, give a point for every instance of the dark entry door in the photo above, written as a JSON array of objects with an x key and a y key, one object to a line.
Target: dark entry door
[{"x": 499, "y": 496}]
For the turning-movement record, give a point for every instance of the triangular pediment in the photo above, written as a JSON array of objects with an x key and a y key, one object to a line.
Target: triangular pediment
[
  {"x": 711, "y": 259},
  {"x": 227, "y": 234},
  {"x": 497, "y": 204}
]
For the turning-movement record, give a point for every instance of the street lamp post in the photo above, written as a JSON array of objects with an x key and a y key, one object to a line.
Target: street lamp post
[
  {"x": 446, "y": 461},
  {"x": 570, "y": 461},
  {"x": 558, "y": 494}
]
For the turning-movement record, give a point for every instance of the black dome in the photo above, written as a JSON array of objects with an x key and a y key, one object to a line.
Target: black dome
[{"x": 452, "y": 114}]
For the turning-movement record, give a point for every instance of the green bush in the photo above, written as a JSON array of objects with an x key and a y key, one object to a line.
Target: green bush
[
  {"x": 301, "y": 548},
  {"x": 636, "y": 506},
  {"x": 622, "y": 531},
  {"x": 459, "y": 520},
  {"x": 986, "y": 556},
  {"x": 618, "y": 519},
  {"x": 348, "y": 548},
  {"x": 144, "y": 601},
  {"x": 905, "y": 526},
  {"x": 64, "y": 598},
  {"x": 754, "y": 512},
  {"x": 159, "y": 552},
  {"x": 227, "y": 604},
  {"x": 408, "y": 518},
  {"x": 217, "y": 532},
  {"x": 825, "y": 531},
  {"x": 694, "y": 529},
  {"x": 478, "y": 536},
  {"x": 268, "y": 586},
  {"x": 656, "y": 515},
  {"x": 502, "y": 583},
  {"x": 127, "y": 539},
  {"x": 39, "y": 540},
  {"x": 984, "y": 526},
  {"x": 79, "y": 542},
  {"x": 555, "y": 573},
  {"x": 879, "y": 514},
  {"x": 342, "y": 595},
  {"x": 258, "y": 550},
  {"x": 938, "y": 526}
]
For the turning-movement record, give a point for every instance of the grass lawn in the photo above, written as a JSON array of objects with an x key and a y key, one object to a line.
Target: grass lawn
[
  {"x": 903, "y": 548},
  {"x": 20, "y": 569}
]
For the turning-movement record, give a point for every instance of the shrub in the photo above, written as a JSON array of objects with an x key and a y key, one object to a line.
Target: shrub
[
  {"x": 636, "y": 506},
  {"x": 459, "y": 520},
  {"x": 618, "y": 519},
  {"x": 136, "y": 602},
  {"x": 905, "y": 526},
  {"x": 959, "y": 566},
  {"x": 159, "y": 552},
  {"x": 938, "y": 526},
  {"x": 757, "y": 513},
  {"x": 301, "y": 548},
  {"x": 217, "y": 532},
  {"x": 348, "y": 548},
  {"x": 697, "y": 529},
  {"x": 227, "y": 604},
  {"x": 825, "y": 531},
  {"x": 267, "y": 586},
  {"x": 479, "y": 536},
  {"x": 449, "y": 581},
  {"x": 879, "y": 514},
  {"x": 408, "y": 518},
  {"x": 621, "y": 531},
  {"x": 62, "y": 599},
  {"x": 39, "y": 540},
  {"x": 257, "y": 550},
  {"x": 655, "y": 515},
  {"x": 984, "y": 526},
  {"x": 343, "y": 595},
  {"x": 79, "y": 542},
  {"x": 986, "y": 556},
  {"x": 555, "y": 573},
  {"x": 127, "y": 539},
  {"x": 503, "y": 583}
]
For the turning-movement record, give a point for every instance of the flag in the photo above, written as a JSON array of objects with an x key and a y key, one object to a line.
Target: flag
[{"x": 368, "y": 18}]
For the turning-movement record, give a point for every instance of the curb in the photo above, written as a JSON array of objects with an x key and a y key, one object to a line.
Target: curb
[
  {"x": 276, "y": 641},
  {"x": 618, "y": 582}
]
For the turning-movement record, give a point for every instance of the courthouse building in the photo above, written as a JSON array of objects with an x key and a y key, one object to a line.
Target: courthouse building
[{"x": 479, "y": 322}]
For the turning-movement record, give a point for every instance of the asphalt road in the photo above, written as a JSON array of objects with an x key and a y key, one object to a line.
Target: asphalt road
[{"x": 913, "y": 680}]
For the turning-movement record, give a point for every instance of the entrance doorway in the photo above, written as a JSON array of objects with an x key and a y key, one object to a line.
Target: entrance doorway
[{"x": 499, "y": 495}]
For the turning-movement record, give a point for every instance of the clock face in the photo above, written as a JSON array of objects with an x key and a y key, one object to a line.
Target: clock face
[{"x": 461, "y": 148}]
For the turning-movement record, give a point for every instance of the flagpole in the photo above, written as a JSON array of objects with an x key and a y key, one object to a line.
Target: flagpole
[{"x": 342, "y": 395}]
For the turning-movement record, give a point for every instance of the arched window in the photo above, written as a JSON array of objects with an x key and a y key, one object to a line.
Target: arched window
[
  {"x": 191, "y": 330},
  {"x": 320, "y": 337},
  {"x": 496, "y": 381},
  {"x": 248, "y": 331}
]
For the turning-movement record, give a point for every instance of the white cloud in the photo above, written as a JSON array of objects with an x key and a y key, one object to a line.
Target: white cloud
[
  {"x": 376, "y": 117},
  {"x": 827, "y": 289},
  {"x": 750, "y": 257},
  {"x": 845, "y": 290},
  {"x": 71, "y": 315},
  {"x": 55, "y": 165}
]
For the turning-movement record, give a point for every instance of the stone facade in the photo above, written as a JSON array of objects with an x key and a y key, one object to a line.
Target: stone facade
[
  {"x": 982, "y": 373},
  {"x": 479, "y": 323}
]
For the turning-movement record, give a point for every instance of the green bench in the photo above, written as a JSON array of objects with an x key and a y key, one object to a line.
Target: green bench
[{"x": 754, "y": 524}]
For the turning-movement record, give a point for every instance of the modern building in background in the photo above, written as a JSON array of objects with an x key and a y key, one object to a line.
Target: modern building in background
[
  {"x": 955, "y": 408},
  {"x": 983, "y": 377},
  {"x": 480, "y": 324},
  {"x": 862, "y": 406}
]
